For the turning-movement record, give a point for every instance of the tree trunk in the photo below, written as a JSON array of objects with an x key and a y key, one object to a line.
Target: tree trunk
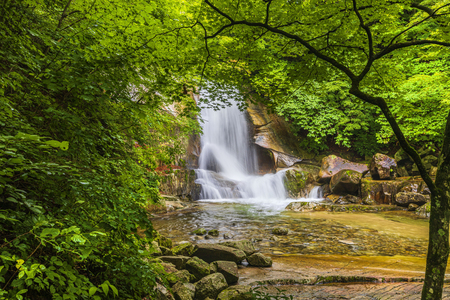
[{"x": 438, "y": 245}]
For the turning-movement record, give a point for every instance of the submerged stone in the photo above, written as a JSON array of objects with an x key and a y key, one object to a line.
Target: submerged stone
[
  {"x": 213, "y": 232},
  {"x": 280, "y": 231},
  {"x": 199, "y": 231}
]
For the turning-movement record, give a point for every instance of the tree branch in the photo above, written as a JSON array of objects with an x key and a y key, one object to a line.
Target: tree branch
[
  {"x": 207, "y": 50},
  {"x": 64, "y": 14},
  {"x": 408, "y": 44},
  {"x": 267, "y": 12}
]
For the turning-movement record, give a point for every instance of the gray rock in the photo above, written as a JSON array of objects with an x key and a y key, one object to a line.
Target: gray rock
[
  {"x": 351, "y": 199},
  {"x": 162, "y": 293},
  {"x": 259, "y": 260},
  {"x": 210, "y": 286},
  {"x": 227, "y": 236},
  {"x": 332, "y": 164},
  {"x": 183, "y": 291},
  {"x": 237, "y": 292},
  {"x": 402, "y": 172},
  {"x": 154, "y": 249},
  {"x": 229, "y": 270},
  {"x": 412, "y": 207},
  {"x": 383, "y": 167},
  {"x": 213, "y": 252},
  {"x": 197, "y": 267},
  {"x": 244, "y": 245},
  {"x": 208, "y": 237},
  {"x": 178, "y": 261},
  {"x": 406, "y": 198}
]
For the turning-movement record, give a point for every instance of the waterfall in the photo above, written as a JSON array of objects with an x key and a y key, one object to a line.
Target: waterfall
[{"x": 228, "y": 162}]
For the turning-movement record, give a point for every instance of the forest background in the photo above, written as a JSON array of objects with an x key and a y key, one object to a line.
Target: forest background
[{"x": 84, "y": 92}]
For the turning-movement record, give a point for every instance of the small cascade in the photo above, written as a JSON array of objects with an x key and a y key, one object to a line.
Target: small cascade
[
  {"x": 316, "y": 193},
  {"x": 228, "y": 162}
]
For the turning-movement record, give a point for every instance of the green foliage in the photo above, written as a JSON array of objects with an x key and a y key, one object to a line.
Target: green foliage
[{"x": 82, "y": 127}]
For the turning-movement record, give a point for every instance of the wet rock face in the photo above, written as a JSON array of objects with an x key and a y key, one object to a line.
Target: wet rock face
[
  {"x": 407, "y": 198},
  {"x": 383, "y": 167},
  {"x": 229, "y": 270},
  {"x": 332, "y": 164},
  {"x": 345, "y": 182},
  {"x": 178, "y": 183},
  {"x": 296, "y": 183}
]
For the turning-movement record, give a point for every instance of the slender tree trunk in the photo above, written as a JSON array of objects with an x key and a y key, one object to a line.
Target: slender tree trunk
[{"x": 438, "y": 245}]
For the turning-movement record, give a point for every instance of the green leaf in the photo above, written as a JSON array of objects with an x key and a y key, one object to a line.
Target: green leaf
[
  {"x": 54, "y": 232},
  {"x": 92, "y": 291},
  {"x": 105, "y": 288}
]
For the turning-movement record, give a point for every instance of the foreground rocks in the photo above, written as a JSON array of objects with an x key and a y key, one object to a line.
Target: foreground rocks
[
  {"x": 333, "y": 164},
  {"x": 203, "y": 271}
]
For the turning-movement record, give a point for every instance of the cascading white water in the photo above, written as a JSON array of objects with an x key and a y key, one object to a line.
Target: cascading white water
[{"x": 228, "y": 163}]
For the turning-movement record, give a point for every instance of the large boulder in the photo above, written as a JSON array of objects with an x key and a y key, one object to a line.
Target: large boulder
[
  {"x": 229, "y": 269},
  {"x": 213, "y": 252},
  {"x": 244, "y": 245},
  {"x": 237, "y": 292},
  {"x": 407, "y": 198},
  {"x": 345, "y": 182},
  {"x": 424, "y": 211},
  {"x": 210, "y": 286},
  {"x": 296, "y": 183},
  {"x": 332, "y": 164},
  {"x": 197, "y": 267},
  {"x": 178, "y": 261},
  {"x": 163, "y": 241},
  {"x": 183, "y": 291},
  {"x": 259, "y": 260},
  {"x": 383, "y": 167}
]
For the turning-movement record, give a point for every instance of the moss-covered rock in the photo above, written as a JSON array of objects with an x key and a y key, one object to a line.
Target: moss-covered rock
[
  {"x": 213, "y": 232},
  {"x": 237, "y": 292},
  {"x": 210, "y": 286},
  {"x": 182, "y": 276},
  {"x": 199, "y": 231},
  {"x": 185, "y": 249},
  {"x": 259, "y": 260},
  {"x": 307, "y": 206},
  {"x": 197, "y": 267},
  {"x": 407, "y": 198},
  {"x": 178, "y": 261},
  {"x": 424, "y": 210},
  {"x": 244, "y": 245},
  {"x": 345, "y": 182},
  {"x": 229, "y": 270},
  {"x": 296, "y": 182},
  {"x": 183, "y": 291},
  {"x": 154, "y": 249},
  {"x": 280, "y": 231},
  {"x": 164, "y": 241},
  {"x": 214, "y": 252}
]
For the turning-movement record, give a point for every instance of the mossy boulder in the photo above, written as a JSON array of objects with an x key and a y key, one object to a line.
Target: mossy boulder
[
  {"x": 214, "y": 252},
  {"x": 237, "y": 292},
  {"x": 178, "y": 261},
  {"x": 154, "y": 249},
  {"x": 197, "y": 267},
  {"x": 345, "y": 182},
  {"x": 166, "y": 251},
  {"x": 383, "y": 167},
  {"x": 164, "y": 241},
  {"x": 259, "y": 260},
  {"x": 229, "y": 270},
  {"x": 244, "y": 245},
  {"x": 332, "y": 164},
  {"x": 199, "y": 231},
  {"x": 180, "y": 276},
  {"x": 280, "y": 231},
  {"x": 210, "y": 286},
  {"x": 213, "y": 232},
  {"x": 183, "y": 291},
  {"x": 185, "y": 249},
  {"x": 296, "y": 182}
]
